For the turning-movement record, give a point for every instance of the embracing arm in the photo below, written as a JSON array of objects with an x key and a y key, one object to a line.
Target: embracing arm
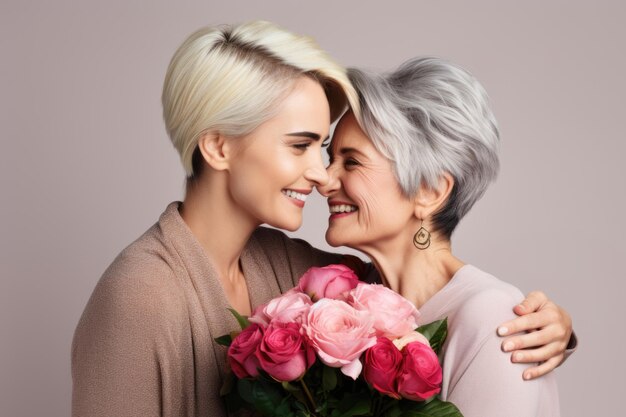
[{"x": 549, "y": 339}]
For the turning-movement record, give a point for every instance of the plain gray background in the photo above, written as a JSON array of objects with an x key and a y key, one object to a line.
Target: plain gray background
[{"x": 86, "y": 166}]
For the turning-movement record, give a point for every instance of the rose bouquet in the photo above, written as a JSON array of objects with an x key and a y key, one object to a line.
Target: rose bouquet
[{"x": 334, "y": 346}]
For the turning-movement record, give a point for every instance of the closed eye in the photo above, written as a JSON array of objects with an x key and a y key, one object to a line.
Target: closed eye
[{"x": 302, "y": 146}]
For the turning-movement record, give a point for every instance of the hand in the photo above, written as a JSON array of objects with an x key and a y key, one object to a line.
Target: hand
[{"x": 548, "y": 328}]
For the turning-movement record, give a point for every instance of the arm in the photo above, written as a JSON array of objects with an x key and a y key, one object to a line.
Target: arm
[
  {"x": 549, "y": 335},
  {"x": 119, "y": 351},
  {"x": 482, "y": 380},
  {"x": 492, "y": 387}
]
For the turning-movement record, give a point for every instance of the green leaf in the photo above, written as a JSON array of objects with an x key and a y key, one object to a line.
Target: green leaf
[
  {"x": 244, "y": 387},
  {"x": 265, "y": 396},
  {"x": 225, "y": 340},
  {"x": 242, "y": 320},
  {"x": 356, "y": 404},
  {"x": 329, "y": 378},
  {"x": 433, "y": 408},
  {"x": 436, "y": 333}
]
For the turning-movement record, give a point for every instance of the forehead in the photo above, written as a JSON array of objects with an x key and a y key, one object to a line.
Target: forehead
[
  {"x": 305, "y": 108},
  {"x": 348, "y": 133}
]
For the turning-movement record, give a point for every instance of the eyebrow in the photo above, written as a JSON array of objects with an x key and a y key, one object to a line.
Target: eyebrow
[
  {"x": 344, "y": 151},
  {"x": 309, "y": 135}
]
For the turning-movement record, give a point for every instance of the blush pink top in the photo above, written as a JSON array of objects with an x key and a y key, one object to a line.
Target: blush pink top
[{"x": 477, "y": 376}]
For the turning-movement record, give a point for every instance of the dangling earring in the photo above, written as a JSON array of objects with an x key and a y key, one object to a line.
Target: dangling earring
[{"x": 421, "y": 240}]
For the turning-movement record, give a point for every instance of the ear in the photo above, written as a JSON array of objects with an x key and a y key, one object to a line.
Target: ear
[
  {"x": 429, "y": 200},
  {"x": 215, "y": 150}
]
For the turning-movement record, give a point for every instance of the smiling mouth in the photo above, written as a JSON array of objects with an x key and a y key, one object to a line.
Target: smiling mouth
[
  {"x": 294, "y": 194},
  {"x": 342, "y": 208}
]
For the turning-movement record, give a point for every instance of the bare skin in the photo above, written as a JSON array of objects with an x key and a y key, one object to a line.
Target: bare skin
[{"x": 244, "y": 178}]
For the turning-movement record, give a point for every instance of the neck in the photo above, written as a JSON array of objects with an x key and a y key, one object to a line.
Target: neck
[
  {"x": 415, "y": 274},
  {"x": 219, "y": 224}
]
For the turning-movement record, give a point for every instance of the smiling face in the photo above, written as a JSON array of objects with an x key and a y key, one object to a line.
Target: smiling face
[
  {"x": 276, "y": 166},
  {"x": 366, "y": 205}
]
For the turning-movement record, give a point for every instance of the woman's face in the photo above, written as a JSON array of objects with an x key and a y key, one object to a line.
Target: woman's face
[
  {"x": 366, "y": 205},
  {"x": 276, "y": 166}
]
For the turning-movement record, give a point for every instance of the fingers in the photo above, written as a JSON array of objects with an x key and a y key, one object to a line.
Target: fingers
[
  {"x": 541, "y": 354},
  {"x": 549, "y": 314},
  {"x": 530, "y": 321},
  {"x": 529, "y": 340},
  {"x": 544, "y": 368},
  {"x": 533, "y": 302}
]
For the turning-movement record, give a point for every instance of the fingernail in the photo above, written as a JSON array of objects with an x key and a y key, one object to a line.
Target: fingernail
[
  {"x": 518, "y": 357},
  {"x": 503, "y": 331},
  {"x": 508, "y": 346},
  {"x": 527, "y": 376}
]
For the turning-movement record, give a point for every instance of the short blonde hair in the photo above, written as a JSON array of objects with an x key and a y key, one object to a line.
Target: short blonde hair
[{"x": 228, "y": 80}]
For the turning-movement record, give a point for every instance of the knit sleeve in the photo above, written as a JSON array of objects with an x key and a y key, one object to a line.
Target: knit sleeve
[{"x": 126, "y": 347}]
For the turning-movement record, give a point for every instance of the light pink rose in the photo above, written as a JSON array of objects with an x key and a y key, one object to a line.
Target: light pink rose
[
  {"x": 395, "y": 316},
  {"x": 242, "y": 352},
  {"x": 289, "y": 307},
  {"x": 332, "y": 281},
  {"x": 339, "y": 334},
  {"x": 411, "y": 337},
  {"x": 284, "y": 353}
]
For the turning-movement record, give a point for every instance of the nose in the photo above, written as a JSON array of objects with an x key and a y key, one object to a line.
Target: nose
[
  {"x": 332, "y": 184},
  {"x": 316, "y": 173}
]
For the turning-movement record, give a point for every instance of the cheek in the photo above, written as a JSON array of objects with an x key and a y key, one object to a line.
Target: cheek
[
  {"x": 383, "y": 210},
  {"x": 371, "y": 193}
]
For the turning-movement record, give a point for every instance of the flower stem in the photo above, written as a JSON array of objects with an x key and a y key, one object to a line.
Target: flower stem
[{"x": 308, "y": 394}]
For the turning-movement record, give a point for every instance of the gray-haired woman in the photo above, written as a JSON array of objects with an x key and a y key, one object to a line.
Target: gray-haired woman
[{"x": 402, "y": 174}]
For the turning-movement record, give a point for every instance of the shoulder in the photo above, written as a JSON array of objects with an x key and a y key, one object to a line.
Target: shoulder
[
  {"x": 484, "y": 302},
  {"x": 140, "y": 286}
]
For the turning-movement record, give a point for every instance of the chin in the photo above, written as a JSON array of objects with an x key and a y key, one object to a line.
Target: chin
[
  {"x": 290, "y": 226},
  {"x": 333, "y": 240}
]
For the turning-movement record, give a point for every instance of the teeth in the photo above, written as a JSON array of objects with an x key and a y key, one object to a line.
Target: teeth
[
  {"x": 293, "y": 194},
  {"x": 342, "y": 208}
]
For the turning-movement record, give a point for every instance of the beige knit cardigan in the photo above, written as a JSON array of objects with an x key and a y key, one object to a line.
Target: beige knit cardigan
[{"x": 144, "y": 344}]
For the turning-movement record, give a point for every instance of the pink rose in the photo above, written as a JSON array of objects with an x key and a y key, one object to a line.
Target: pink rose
[
  {"x": 289, "y": 307},
  {"x": 339, "y": 334},
  {"x": 382, "y": 365},
  {"x": 421, "y": 375},
  {"x": 332, "y": 281},
  {"x": 395, "y": 316},
  {"x": 242, "y": 352},
  {"x": 283, "y": 352}
]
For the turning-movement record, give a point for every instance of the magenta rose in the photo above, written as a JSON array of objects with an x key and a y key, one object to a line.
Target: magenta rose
[
  {"x": 242, "y": 352},
  {"x": 339, "y": 334},
  {"x": 395, "y": 316},
  {"x": 289, "y": 307},
  {"x": 284, "y": 353},
  {"x": 332, "y": 281},
  {"x": 421, "y": 375},
  {"x": 381, "y": 367}
]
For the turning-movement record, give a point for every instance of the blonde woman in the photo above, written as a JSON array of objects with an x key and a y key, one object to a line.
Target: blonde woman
[{"x": 247, "y": 108}]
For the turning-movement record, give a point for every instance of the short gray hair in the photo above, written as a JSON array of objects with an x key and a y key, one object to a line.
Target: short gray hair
[{"x": 429, "y": 117}]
